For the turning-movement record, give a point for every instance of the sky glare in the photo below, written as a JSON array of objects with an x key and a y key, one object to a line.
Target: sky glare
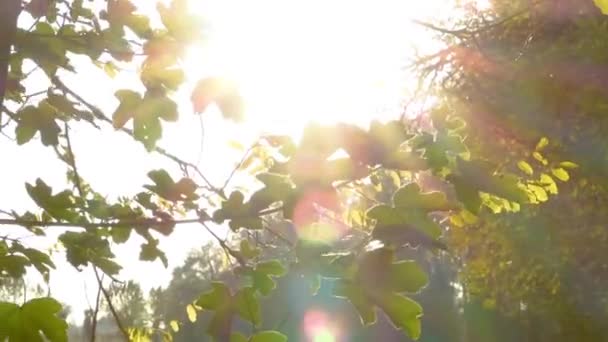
[{"x": 294, "y": 61}]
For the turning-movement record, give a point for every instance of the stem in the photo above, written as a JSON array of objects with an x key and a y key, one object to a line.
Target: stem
[
  {"x": 9, "y": 12},
  {"x": 106, "y": 295},
  {"x": 95, "y": 312}
]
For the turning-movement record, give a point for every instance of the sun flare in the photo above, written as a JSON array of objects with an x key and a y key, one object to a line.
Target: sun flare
[{"x": 320, "y": 61}]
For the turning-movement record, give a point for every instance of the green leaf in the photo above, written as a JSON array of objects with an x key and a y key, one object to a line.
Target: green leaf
[
  {"x": 154, "y": 77},
  {"x": 357, "y": 297},
  {"x": 13, "y": 265},
  {"x": 32, "y": 321},
  {"x": 384, "y": 215},
  {"x": 248, "y": 251},
  {"x": 273, "y": 267},
  {"x": 150, "y": 252},
  {"x": 262, "y": 279},
  {"x": 212, "y": 300},
  {"x": 166, "y": 187},
  {"x": 407, "y": 276},
  {"x": 129, "y": 102},
  {"x": 191, "y": 311},
  {"x": 107, "y": 266},
  {"x": 241, "y": 215},
  {"x": 38, "y": 119},
  {"x": 237, "y": 337},
  {"x": 561, "y": 174},
  {"x": 467, "y": 194},
  {"x": 61, "y": 103},
  {"x": 409, "y": 197},
  {"x": 247, "y": 306},
  {"x": 58, "y": 206},
  {"x": 403, "y": 312},
  {"x": 120, "y": 234},
  {"x": 139, "y": 24},
  {"x": 268, "y": 336}
]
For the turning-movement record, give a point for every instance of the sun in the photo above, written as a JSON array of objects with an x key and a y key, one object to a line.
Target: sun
[{"x": 301, "y": 61}]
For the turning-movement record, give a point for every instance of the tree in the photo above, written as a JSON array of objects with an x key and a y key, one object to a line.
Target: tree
[
  {"x": 129, "y": 303},
  {"x": 301, "y": 183},
  {"x": 530, "y": 95}
]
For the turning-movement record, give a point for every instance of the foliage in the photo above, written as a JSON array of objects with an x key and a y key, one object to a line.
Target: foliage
[
  {"x": 301, "y": 186},
  {"x": 532, "y": 100}
]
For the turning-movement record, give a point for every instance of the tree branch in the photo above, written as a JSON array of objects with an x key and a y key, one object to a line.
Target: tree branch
[
  {"x": 101, "y": 116},
  {"x": 9, "y": 12},
  {"x": 143, "y": 223},
  {"x": 106, "y": 295},
  {"x": 95, "y": 312}
]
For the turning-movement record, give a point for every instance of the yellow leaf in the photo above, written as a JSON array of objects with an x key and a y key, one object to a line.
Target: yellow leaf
[
  {"x": 457, "y": 220},
  {"x": 174, "y": 325},
  {"x": 236, "y": 145},
  {"x": 191, "y": 311},
  {"x": 539, "y": 193},
  {"x": 548, "y": 183},
  {"x": 468, "y": 217},
  {"x": 561, "y": 174},
  {"x": 568, "y": 165},
  {"x": 542, "y": 143},
  {"x": 602, "y": 5},
  {"x": 540, "y": 158},
  {"x": 525, "y": 167},
  {"x": 110, "y": 69}
]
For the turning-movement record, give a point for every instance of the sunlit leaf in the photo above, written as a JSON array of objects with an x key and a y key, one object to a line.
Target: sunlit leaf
[
  {"x": 561, "y": 174},
  {"x": 542, "y": 143},
  {"x": 33, "y": 320},
  {"x": 525, "y": 167},
  {"x": 191, "y": 311},
  {"x": 268, "y": 336},
  {"x": 175, "y": 325},
  {"x": 602, "y": 5},
  {"x": 403, "y": 312}
]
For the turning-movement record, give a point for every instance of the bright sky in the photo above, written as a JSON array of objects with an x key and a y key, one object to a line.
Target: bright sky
[{"x": 294, "y": 61}]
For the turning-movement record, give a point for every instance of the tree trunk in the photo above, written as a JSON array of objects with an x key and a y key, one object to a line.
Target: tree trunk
[{"x": 9, "y": 12}]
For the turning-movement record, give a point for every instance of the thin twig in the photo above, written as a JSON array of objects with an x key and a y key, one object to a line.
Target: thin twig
[
  {"x": 95, "y": 312},
  {"x": 101, "y": 116},
  {"x": 142, "y": 223},
  {"x": 276, "y": 234},
  {"x": 106, "y": 295},
  {"x": 225, "y": 246},
  {"x": 72, "y": 162},
  {"x": 237, "y": 167}
]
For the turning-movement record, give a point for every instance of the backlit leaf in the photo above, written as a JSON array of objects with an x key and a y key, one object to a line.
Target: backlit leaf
[{"x": 191, "y": 311}]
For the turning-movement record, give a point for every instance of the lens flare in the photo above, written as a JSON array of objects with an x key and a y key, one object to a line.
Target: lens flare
[
  {"x": 312, "y": 216},
  {"x": 318, "y": 327},
  {"x": 324, "y": 335}
]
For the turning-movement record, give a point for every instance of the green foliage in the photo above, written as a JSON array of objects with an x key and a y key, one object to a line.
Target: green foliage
[
  {"x": 377, "y": 281},
  {"x": 35, "y": 320},
  {"x": 244, "y": 303},
  {"x": 490, "y": 158},
  {"x": 262, "y": 275}
]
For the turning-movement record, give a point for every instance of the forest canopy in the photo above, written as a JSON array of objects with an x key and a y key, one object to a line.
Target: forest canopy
[{"x": 476, "y": 213}]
